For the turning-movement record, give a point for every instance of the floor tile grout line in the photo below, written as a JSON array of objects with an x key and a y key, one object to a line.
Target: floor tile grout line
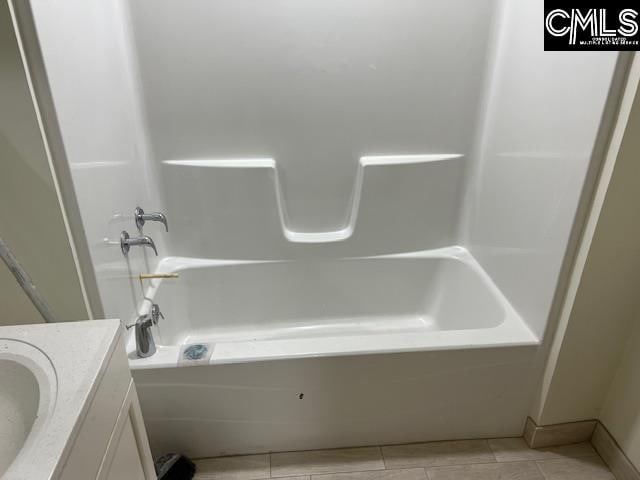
[
  {"x": 426, "y": 473},
  {"x": 314, "y": 475},
  {"x": 449, "y": 465},
  {"x": 335, "y": 472},
  {"x": 493, "y": 454},
  {"x": 384, "y": 460},
  {"x": 492, "y": 450},
  {"x": 311, "y": 475},
  {"x": 573, "y": 457},
  {"x": 485, "y": 463},
  {"x": 542, "y": 475},
  {"x": 582, "y": 457}
]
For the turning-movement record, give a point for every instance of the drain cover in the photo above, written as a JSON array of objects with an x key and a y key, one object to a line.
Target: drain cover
[{"x": 195, "y": 352}]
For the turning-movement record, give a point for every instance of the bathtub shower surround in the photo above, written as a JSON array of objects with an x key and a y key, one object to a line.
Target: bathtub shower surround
[{"x": 370, "y": 203}]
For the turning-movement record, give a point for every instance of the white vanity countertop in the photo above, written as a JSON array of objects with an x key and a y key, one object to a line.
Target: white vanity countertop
[{"x": 79, "y": 353}]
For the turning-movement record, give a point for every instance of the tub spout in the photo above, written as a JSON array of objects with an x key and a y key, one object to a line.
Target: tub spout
[{"x": 145, "y": 344}]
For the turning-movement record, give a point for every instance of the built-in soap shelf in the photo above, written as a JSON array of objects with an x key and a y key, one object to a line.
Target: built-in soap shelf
[
  {"x": 236, "y": 208},
  {"x": 367, "y": 164}
]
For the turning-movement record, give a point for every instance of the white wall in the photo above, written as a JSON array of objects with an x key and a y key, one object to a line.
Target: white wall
[
  {"x": 594, "y": 367},
  {"x": 31, "y": 219},
  {"x": 533, "y": 150},
  {"x": 17, "y": 309},
  {"x": 601, "y": 310},
  {"x": 87, "y": 57},
  {"x": 313, "y": 85}
]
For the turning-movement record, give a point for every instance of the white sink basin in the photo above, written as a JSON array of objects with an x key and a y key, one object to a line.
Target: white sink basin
[
  {"x": 48, "y": 376},
  {"x": 27, "y": 396},
  {"x": 19, "y": 398}
]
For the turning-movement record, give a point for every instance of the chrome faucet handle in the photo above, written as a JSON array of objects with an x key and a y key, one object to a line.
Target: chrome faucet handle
[
  {"x": 148, "y": 319},
  {"x": 156, "y": 314},
  {"x": 142, "y": 217},
  {"x": 142, "y": 321},
  {"x": 126, "y": 242}
]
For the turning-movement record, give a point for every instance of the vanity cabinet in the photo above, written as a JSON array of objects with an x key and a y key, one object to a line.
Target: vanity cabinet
[{"x": 111, "y": 442}]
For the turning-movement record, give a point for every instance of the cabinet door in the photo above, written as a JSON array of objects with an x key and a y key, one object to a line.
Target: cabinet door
[
  {"x": 128, "y": 456},
  {"x": 86, "y": 456},
  {"x": 126, "y": 464}
]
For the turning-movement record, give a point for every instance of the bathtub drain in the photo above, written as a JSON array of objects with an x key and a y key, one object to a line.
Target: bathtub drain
[{"x": 195, "y": 352}]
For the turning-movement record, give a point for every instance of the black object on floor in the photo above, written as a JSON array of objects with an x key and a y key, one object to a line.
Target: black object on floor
[{"x": 174, "y": 466}]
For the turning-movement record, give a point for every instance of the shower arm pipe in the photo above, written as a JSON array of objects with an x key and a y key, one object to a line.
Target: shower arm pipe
[
  {"x": 23, "y": 279},
  {"x": 151, "y": 276}
]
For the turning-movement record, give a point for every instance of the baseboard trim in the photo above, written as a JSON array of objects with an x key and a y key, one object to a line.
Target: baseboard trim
[
  {"x": 540, "y": 436},
  {"x": 612, "y": 454}
]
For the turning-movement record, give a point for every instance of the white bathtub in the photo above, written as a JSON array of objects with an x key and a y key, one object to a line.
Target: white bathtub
[
  {"x": 249, "y": 311},
  {"x": 386, "y": 349}
]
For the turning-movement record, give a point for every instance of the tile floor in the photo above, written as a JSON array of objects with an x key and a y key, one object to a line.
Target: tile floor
[{"x": 497, "y": 459}]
